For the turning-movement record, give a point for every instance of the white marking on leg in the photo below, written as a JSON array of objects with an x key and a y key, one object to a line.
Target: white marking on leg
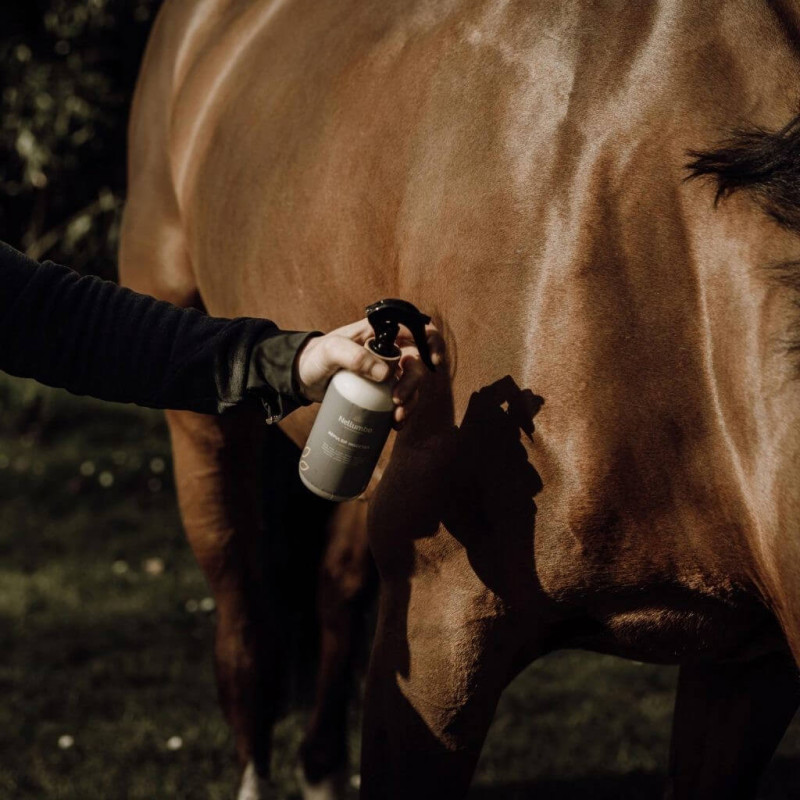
[
  {"x": 334, "y": 787},
  {"x": 255, "y": 788}
]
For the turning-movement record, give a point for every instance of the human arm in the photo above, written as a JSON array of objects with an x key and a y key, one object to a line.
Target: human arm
[
  {"x": 93, "y": 337},
  {"x": 96, "y": 338}
]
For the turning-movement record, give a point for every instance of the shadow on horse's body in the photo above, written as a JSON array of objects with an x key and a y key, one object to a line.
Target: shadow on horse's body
[{"x": 609, "y": 458}]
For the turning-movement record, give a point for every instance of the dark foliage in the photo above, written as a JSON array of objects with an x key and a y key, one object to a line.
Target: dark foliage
[{"x": 67, "y": 72}]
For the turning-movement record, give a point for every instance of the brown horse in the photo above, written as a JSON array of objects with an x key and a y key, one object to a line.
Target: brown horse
[{"x": 610, "y": 459}]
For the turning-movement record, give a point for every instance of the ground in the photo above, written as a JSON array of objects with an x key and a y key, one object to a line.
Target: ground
[{"x": 106, "y": 628}]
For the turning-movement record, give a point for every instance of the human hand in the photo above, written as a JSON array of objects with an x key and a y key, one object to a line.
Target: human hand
[{"x": 322, "y": 356}]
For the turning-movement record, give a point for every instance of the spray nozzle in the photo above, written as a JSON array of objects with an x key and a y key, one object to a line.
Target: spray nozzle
[{"x": 386, "y": 316}]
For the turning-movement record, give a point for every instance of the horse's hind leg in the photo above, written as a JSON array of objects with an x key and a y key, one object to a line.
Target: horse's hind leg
[
  {"x": 346, "y": 575},
  {"x": 729, "y": 718},
  {"x": 217, "y": 472},
  {"x": 319, "y": 568}
]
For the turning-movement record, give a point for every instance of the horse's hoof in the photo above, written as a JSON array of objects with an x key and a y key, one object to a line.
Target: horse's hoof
[
  {"x": 255, "y": 788},
  {"x": 334, "y": 787}
]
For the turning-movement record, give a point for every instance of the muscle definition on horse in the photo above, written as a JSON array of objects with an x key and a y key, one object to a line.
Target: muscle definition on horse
[{"x": 609, "y": 459}]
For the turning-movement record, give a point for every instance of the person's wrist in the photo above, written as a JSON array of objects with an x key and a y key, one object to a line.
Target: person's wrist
[
  {"x": 300, "y": 388},
  {"x": 271, "y": 371}
]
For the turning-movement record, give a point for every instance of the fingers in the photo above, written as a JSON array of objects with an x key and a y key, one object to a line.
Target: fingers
[
  {"x": 342, "y": 353},
  {"x": 433, "y": 338},
  {"x": 361, "y": 331},
  {"x": 435, "y": 343},
  {"x": 411, "y": 376},
  {"x": 403, "y": 412},
  {"x": 356, "y": 331},
  {"x": 343, "y": 348},
  {"x": 326, "y": 355},
  {"x": 406, "y": 391}
]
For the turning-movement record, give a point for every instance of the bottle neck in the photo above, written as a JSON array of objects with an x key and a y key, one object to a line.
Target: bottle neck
[
  {"x": 392, "y": 360},
  {"x": 394, "y": 355}
]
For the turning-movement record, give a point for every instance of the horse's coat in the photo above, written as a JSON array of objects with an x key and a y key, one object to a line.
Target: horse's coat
[{"x": 610, "y": 460}]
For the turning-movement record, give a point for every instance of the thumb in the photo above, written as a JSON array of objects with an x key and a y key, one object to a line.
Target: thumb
[
  {"x": 346, "y": 354},
  {"x": 323, "y": 356}
]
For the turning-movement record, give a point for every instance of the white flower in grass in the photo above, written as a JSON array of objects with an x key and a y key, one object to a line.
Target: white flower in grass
[
  {"x": 207, "y": 604},
  {"x": 105, "y": 479},
  {"x": 153, "y": 566},
  {"x": 65, "y": 741},
  {"x": 174, "y": 743}
]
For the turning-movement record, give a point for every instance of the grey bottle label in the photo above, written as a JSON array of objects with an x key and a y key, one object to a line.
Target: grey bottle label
[{"x": 344, "y": 446}]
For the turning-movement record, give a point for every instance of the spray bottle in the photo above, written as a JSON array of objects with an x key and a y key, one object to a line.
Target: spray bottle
[{"x": 355, "y": 417}]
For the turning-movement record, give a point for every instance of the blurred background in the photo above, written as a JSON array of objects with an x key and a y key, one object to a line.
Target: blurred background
[
  {"x": 106, "y": 624},
  {"x": 68, "y": 71}
]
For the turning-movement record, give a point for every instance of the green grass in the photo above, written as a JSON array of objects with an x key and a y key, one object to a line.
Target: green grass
[
  {"x": 98, "y": 643},
  {"x": 103, "y": 640}
]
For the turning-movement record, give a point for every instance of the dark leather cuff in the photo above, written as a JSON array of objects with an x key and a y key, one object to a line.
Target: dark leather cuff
[{"x": 270, "y": 374}]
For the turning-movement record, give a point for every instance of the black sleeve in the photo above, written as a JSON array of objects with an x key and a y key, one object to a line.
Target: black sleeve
[{"x": 96, "y": 338}]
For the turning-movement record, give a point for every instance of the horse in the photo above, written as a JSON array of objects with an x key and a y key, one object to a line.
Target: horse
[{"x": 598, "y": 204}]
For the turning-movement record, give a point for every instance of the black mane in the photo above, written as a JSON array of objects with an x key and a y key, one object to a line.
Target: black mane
[{"x": 764, "y": 163}]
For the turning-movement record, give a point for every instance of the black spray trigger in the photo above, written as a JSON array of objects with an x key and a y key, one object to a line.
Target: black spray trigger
[{"x": 386, "y": 316}]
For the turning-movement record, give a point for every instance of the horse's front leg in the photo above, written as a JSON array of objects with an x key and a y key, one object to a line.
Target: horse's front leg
[
  {"x": 729, "y": 718},
  {"x": 441, "y": 658}
]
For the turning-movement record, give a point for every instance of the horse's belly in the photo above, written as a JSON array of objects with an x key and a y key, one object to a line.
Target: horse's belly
[{"x": 671, "y": 630}]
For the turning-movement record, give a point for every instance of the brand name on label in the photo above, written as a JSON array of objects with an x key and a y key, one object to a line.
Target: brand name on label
[{"x": 354, "y": 426}]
